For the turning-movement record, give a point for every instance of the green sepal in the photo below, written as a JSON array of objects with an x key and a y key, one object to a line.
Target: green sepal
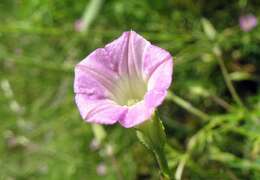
[{"x": 152, "y": 135}]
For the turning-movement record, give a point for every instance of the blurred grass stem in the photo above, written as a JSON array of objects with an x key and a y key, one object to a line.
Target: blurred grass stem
[
  {"x": 221, "y": 102},
  {"x": 187, "y": 106},
  {"x": 90, "y": 13},
  {"x": 180, "y": 168},
  {"x": 225, "y": 74}
]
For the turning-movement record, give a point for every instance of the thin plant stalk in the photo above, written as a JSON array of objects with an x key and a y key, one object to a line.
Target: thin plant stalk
[
  {"x": 187, "y": 106},
  {"x": 90, "y": 13},
  {"x": 227, "y": 79}
]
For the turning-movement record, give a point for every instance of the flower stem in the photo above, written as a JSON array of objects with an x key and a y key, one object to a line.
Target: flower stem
[
  {"x": 163, "y": 164},
  {"x": 152, "y": 136}
]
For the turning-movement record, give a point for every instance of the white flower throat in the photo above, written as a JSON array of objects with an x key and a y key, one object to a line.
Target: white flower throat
[{"x": 129, "y": 90}]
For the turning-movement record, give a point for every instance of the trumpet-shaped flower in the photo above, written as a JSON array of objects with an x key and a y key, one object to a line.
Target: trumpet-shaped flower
[{"x": 123, "y": 82}]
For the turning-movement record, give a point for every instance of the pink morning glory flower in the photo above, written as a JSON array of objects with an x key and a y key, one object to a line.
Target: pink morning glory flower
[
  {"x": 247, "y": 22},
  {"x": 123, "y": 82}
]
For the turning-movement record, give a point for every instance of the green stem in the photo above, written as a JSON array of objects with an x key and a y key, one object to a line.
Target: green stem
[
  {"x": 90, "y": 13},
  {"x": 163, "y": 164},
  {"x": 152, "y": 135},
  {"x": 180, "y": 168},
  {"x": 225, "y": 74},
  {"x": 187, "y": 106}
]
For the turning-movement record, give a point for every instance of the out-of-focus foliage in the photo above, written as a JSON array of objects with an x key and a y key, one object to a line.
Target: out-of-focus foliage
[{"x": 209, "y": 135}]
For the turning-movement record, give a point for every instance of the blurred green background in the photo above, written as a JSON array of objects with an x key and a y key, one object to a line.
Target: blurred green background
[{"x": 211, "y": 134}]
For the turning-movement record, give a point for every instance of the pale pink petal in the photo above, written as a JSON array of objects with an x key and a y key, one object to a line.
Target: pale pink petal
[
  {"x": 136, "y": 53},
  {"x": 154, "y": 98},
  {"x": 84, "y": 83},
  {"x": 128, "y": 51},
  {"x": 95, "y": 74},
  {"x": 161, "y": 78},
  {"x": 136, "y": 115},
  {"x": 153, "y": 58},
  {"x": 143, "y": 110},
  {"x": 118, "y": 52},
  {"x": 100, "y": 63},
  {"x": 99, "y": 111}
]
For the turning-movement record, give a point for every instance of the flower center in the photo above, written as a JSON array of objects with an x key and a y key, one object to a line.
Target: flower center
[{"x": 129, "y": 90}]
